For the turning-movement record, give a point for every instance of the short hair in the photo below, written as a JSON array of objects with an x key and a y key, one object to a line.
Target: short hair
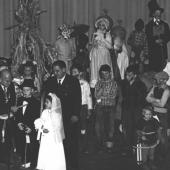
[
  {"x": 133, "y": 69},
  {"x": 148, "y": 107},
  {"x": 139, "y": 25},
  {"x": 104, "y": 67},
  {"x": 59, "y": 63}
]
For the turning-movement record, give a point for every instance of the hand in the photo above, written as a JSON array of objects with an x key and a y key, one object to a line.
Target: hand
[
  {"x": 14, "y": 109},
  {"x": 143, "y": 138},
  {"x": 74, "y": 119},
  {"x": 159, "y": 41},
  {"x": 45, "y": 130},
  {"x": 21, "y": 126},
  {"x": 27, "y": 130},
  {"x": 46, "y": 77}
]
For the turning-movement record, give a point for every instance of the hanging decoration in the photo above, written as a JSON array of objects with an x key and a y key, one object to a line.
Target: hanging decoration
[{"x": 27, "y": 41}]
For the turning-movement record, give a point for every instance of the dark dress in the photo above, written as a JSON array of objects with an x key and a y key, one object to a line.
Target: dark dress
[{"x": 158, "y": 54}]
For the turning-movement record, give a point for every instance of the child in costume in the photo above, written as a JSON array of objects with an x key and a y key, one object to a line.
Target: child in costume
[
  {"x": 28, "y": 111},
  {"x": 51, "y": 153}
]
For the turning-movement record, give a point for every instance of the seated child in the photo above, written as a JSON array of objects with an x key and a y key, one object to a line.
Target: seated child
[
  {"x": 51, "y": 153},
  {"x": 148, "y": 134}
]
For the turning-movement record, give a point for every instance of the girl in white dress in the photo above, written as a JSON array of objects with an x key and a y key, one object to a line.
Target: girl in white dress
[
  {"x": 101, "y": 44},
  {"x": 51, "y": 153}
]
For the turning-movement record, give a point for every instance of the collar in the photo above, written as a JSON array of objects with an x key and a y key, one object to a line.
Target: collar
[
  {"x": 3, "y": 87},
  {"x": 157, "y": 21},
  {"x": 62, "y": 79}
]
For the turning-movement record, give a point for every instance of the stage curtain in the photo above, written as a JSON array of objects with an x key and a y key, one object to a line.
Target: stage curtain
[{"x": 78, "y": 12}]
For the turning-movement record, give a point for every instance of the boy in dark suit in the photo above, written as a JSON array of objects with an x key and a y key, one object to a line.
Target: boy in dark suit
[{"x": 27, "y": 146}]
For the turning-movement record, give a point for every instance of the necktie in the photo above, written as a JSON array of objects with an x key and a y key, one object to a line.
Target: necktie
[
  {"x": 6, "y": 94},
  {"x": 59, "y": 82}
]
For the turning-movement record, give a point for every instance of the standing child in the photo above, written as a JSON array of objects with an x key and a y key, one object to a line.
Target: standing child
[
  {"x": 86, "y": 108},
  {"x": 139, "y": 45},
  {"x": 51, "y": 154},
  {"x": 148, "y": 133},
  {"x": 28, "y": 111},
  {"x": 106, "y": 92}
]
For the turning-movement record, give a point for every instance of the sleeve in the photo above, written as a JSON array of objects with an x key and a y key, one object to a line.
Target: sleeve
[
  {"x": 108, "y": 41},
  {"x": 76, "y": 96},
  {"x": 89, "y": 97},
  {"x": 156, "y": 124},
  {"x": 145, "y": 48},
  {"x": 166, "y": 35},
  {"x": 57, "y": 126},
  {"x": 98, "y": 89}
]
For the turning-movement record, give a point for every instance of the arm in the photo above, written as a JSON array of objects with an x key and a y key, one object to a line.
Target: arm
[
  {"x": 107, "y": 41},
  {"x": 166, "y": 36},
  {"x": 162, "y": 102},
  {"x": 150, "y": 98},
  {"x": 89, "y": 97},
  {"x": 98, "y": 90}
]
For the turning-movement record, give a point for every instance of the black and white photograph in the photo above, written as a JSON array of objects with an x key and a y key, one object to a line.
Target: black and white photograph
[{"x": 84, "y": 85}]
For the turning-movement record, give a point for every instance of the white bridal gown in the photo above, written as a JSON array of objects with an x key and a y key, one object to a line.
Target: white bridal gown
[{"x": 51, "y": 152}]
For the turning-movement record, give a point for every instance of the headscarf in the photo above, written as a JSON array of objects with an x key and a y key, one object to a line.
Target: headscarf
[
  {"x": 56, "y": 109},
  {"x": 104, "y": 21}
]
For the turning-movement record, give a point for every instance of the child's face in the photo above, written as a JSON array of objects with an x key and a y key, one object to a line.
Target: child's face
[
  {"x": 75, "y": 72},
  {"x": 102, "y": 26},
  {"x": 105, "y": 75},
  {"x": 48, "y": 104},
  {"x": 27, "y": 71},
  {"x": 147, "y": 114},
  {"x": 27, "y": 91}
]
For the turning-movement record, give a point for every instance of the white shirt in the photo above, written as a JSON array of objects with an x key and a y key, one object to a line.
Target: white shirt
[
  {"x": 123, "y": 61},
  {"x": 24, "y": 108},
  {"x": 86, "y": 94},
  {"x": 61, "y": 80},
  {"x": 167, "y": 70}
]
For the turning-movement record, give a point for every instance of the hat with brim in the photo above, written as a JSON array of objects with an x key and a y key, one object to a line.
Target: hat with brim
[
  {"x": 28, "y": 83},
  {"x": 102, "y": 20},
  {"x": 153, "y": 7}
]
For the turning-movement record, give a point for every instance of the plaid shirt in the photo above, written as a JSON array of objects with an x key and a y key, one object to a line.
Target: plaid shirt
[
  {"x": 138, "y": 40},
  {"x": 106, "y": 92}
]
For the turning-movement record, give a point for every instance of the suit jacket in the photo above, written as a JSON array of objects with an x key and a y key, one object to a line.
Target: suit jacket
[
  {"x": 5, "y": 106},
  {"x": 69, "y": 93},
  {"x": 32, "y": 112}
]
